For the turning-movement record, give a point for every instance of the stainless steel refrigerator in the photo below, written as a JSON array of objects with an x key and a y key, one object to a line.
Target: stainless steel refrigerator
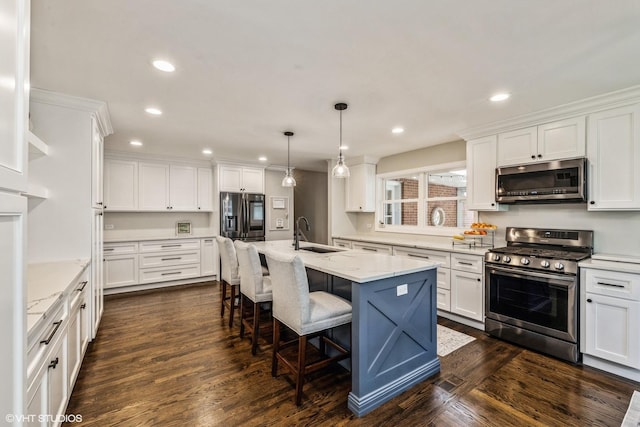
[{"x": 242, "y": 216}]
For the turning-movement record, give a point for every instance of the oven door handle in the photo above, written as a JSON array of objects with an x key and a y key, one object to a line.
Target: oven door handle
[{"x": 512, "y": 273}]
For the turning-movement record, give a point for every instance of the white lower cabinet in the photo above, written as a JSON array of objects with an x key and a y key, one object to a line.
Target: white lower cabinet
[
  {"x": 120, "y": 264},
  {"x": 209, "y": 257},
  {"x": 611, "y": 315},
  {"x": 372, "y": 247},
  {"x": 467, "y": 286},
  {"x": 340, "y": 243}
]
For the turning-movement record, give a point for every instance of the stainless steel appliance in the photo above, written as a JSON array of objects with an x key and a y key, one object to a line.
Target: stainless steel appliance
[
  {"x": 242, "y": 216},
  {"x": 532, "y": 288},
  {"x": 544, "y": 182}
]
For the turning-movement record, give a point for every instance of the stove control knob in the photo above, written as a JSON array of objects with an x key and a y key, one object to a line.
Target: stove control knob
[
  {"x": 545, "y": 263},
  {"x": 524, "y": 261},
  {"x": 496, "y": 257},
  {"x": 559, "y": 266},
  {"x": 507, "y": 259}
]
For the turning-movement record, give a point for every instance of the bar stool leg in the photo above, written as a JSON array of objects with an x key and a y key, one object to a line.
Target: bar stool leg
[
  {"x": 232, "y": 305},
  {"x": 256, "y": 327},
  {"x": 275, "y": 347},
  {"x": 242, "y": 314},
  {"x": 223, "y": 295},
  {"x": 302, "y": 347}
]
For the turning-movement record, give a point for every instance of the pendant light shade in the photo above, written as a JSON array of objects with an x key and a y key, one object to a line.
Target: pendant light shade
[
  {"x": 288, "y": 180},
  {"x": 340, "y": 170}
]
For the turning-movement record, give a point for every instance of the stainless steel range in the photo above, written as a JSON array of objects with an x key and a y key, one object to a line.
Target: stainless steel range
[{"x": 532, "y": 289}]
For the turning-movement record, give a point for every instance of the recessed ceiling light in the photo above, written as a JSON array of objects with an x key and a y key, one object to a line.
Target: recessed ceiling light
[
  {"x": 154, "y": 111},
  {"x": 397, "y": 130},
  {"x": 136, "y": 143},
  {"x": 262, "y": 158},
  {"x": 500, "y": 97},
  {"x": 163, "y": 65},
  {"x": 207, "y": 151}
]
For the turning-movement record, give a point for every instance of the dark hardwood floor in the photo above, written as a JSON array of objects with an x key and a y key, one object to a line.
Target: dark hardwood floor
[{"x": 166, "y": 358}]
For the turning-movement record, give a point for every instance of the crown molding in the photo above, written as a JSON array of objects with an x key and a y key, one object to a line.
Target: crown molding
[
  {"x": 585, "y": 106},
  {"x": 127, "y": 155},
  {"x": 99, "y": 108}
]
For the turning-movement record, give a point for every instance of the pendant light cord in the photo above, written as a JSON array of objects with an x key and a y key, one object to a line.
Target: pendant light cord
[
  {"x": 340, "y": 148},
  {"x": 288, "y": 154}
]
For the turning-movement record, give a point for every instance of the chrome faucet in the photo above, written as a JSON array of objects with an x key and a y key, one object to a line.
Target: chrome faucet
[{"x": 296, "y": 236}]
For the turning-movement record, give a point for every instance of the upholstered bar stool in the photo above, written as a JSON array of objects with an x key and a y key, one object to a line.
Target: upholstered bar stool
[
  {"x": 308, "y": 314},
  {"x": 229, "y": 276},
  {"x": 253, "y": 287}
]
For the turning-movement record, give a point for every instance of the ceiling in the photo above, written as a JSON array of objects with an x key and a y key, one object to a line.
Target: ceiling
[{"x": 248, "y": 70}]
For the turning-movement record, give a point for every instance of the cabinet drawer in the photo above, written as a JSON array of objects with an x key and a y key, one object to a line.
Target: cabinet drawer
[
  {"x": 613, "y": 283},
  {"x": 437, "y": 256},
  {"x": 152, "y": 275},
  {"x": 169, "y": 245},
  {"x": 169, "y": 259},
  {"x": 469, "y": 263},
  {"x": 120, "y": 248},
  {"x": 371, "y": 247},
  {"x": 444, "y": 299},
  {"x": 444, "y": 278},
  {"x": 45, "y": 335},
  {"x": 342, "y": 243}
]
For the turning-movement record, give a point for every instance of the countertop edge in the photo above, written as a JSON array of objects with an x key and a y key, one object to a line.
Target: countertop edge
[
  {"x": 398, "y": 242},
  {"x": 150, "y": 239}
]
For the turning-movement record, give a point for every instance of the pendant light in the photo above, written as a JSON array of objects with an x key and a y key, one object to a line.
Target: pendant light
[
  {"x": 340, "y": 170},
  {"x": 288, "y": 180}
]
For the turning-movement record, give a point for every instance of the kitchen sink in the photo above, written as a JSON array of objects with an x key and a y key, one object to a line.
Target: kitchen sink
[{"x": 320, "y": 250}]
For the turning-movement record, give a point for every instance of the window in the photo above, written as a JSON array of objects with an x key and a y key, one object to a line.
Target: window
[{"x": 425, "y": 200}]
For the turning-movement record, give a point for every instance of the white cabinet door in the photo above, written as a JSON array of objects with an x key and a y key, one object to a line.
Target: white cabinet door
[
  {"x": 443, "y": 299},
  {"x": 97, "y": 165},
  {"x": 614, "y": 155},
  {"x": 481, "y": 173},
  {"x": 37, "y": 399},
  {"x": 153, "y": 187},
  {"x": 518, "y": 146},
  {"x": 120, "y": 270},
  {"x": 85, "y": 322},
  {"x": 252, "y": 180},
  {"x": 562, "y": 139},
  {"x": 372, "y": 247},
  {"x": 230, "y": 178},
  {"x": 205, "y": 184},
  {"x": 96, "y": 281},
  {"x": 14, "y": 94},
  {"x": 74, "y": 355},
  {"x": 57, "y": 379},
  {"x": 360, "y": 191},
  {"x": 467, "y": 293},
  {"x": 183, "y": 188},
  {"x": 13, "y": 232},
  {"x": 120, "y": 185},
  {"x": 612, "y": 329},
  {"x": 209, "y": 257}
]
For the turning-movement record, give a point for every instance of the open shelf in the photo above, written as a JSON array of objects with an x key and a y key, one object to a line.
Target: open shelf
[
  {"x": 37, "y": 147},
  {"x": 35, "y": 191}
]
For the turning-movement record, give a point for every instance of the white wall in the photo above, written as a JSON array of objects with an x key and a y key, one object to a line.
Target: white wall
[
  {"x": 273, "y": 188},
  {"x": 134, "y": 225}
]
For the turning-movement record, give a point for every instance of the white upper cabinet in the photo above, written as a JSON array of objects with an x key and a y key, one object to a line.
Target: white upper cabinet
[
  {"x": 205, "y": 184},
  {"x": 120, "y": 185},
  {"x": 551, "y": 141},
  {"x": 183, "y": 184},
  {"x": 14, "y": 96},
  {"x": 241, "y": 179},
  {"x": 481, "y": 172},
  {"x": 97, "y": 165},
  {"x": 614, "y": 156},
  {"x": 360, "y": 190},
  {"x": 153, "y": 186}
]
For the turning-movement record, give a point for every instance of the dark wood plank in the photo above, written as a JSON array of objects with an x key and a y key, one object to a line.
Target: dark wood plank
[{"x": 167, "y": 358}]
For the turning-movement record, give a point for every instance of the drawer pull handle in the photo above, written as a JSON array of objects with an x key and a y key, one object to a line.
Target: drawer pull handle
[
  {"x": 171, "y": 259},
  {"x": 465, "y": 263},
  {"x": 172, "y": 272},
  {"x": 84, "y": 305},
  {"x": 364, "y": 248},
  {"x": 81, "y": 288},
  {"x": 53, "y": 363},
  {"x": 171, "y": 246},
  {"x": 108, "y": 249},
  {"x": 418, "y": 256},
  {"x": 53, "y": 332},
  {"x": 610, "y": 284}
]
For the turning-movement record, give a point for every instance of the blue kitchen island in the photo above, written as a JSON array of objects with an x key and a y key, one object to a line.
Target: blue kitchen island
[{"x": 393, "y": 329}]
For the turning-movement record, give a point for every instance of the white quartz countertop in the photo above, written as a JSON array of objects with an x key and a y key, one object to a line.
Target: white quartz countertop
[
  {"x": 354, "y": 265},
  {"x": 413, "y": 241},
  {"x": 147, "y": 238},
  {"x": 46, "y": 283},
  {"x": 625, "y": 265}
]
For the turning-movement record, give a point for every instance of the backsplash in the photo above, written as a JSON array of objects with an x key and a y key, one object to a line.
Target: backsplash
[{"x": 155, "y": 224}]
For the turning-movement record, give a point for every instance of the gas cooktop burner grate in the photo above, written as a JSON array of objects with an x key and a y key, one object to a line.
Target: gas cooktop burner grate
[{"x": 542, "y": 253}]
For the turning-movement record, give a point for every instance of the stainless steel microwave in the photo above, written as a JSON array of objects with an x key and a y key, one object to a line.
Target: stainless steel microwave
[{"x": 556, "y": 181}]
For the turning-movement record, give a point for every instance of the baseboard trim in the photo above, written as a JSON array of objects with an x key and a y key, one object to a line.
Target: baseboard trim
[
  {"x": 465, "y": 321},
  {"x": 157, "y": 285}
]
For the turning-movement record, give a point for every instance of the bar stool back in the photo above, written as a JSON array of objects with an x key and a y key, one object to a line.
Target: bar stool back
[{"x": 229, "y": 276}]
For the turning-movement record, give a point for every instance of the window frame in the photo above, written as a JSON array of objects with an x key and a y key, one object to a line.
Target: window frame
[{"x": 422, "y": 201}]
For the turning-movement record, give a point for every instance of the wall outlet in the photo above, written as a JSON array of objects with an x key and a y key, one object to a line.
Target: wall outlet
[
  {"x": 402, "y": 289},
  {"x": 109, "y": 227},
  {"x": 369, "y": 226}
]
